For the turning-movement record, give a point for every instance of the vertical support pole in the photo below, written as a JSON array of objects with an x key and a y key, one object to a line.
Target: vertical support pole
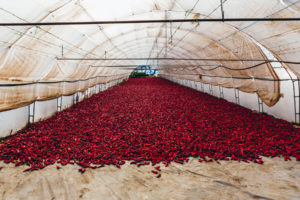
[
  {"x": 171, "y": 33},
  {"x": 210, "y": 89},
  {"x": 166, "y": 33},
  {"x": 202, "y": 87},
  {"x": 295, "y": 105},
  {"x": 59, "y": 104},
  {"x": 296, "y": 98},
  {"x": 222, "y": 10},
  {"x": 86, "y": 93},
  {"x": 75, "y": 98},
  {"x": 221, "y": 92},
  {"x": 157, "y": 61},
  {"x": 260, "y": 104},
  {"x": 31, "y": 112},
  {"x": 298, "y": 112},
  {"x": 237, "y": 96},
  {"x": 197, "y": 88}
]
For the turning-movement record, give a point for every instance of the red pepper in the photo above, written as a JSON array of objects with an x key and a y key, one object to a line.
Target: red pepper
[{"x": 158, "y": 168}]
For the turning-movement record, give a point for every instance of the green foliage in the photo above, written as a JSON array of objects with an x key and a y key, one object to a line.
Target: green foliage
[{"x": 138, "y": 74}]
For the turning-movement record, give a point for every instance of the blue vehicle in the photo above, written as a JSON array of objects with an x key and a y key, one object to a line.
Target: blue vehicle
[{"x": 146, "y": 69}]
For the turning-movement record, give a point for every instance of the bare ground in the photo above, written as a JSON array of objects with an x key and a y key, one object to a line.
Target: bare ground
[{"x": 275, "y": 179}]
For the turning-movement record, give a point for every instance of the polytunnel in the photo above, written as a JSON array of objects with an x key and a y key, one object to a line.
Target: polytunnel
[{"x": 214, "y": 115}]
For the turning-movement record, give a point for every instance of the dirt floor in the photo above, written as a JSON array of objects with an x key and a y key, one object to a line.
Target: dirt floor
[{"x": 275, "y": 179}]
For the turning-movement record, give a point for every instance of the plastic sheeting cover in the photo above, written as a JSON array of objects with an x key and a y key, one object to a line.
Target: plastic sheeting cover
[{"x": 28, "y": 54}]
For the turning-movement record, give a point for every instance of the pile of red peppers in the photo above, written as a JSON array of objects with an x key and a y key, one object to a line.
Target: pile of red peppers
[{"x": 150, "y": 121}]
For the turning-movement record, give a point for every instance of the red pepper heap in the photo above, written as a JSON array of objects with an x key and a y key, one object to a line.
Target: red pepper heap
[{"x": 150, "y": 120}]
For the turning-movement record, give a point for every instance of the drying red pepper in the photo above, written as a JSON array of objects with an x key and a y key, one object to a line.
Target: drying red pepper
[
  {"x": 158, "y": 168},
  {"x": 149, "y": 121}
]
